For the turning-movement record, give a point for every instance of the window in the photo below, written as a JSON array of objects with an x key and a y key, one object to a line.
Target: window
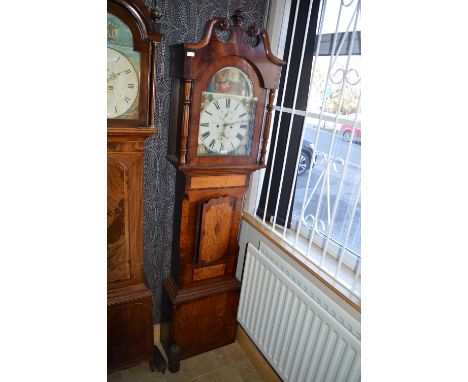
[{"x": 310, "y": 194}]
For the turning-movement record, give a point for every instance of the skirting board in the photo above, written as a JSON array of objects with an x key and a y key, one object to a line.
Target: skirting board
[{"x": 255, "y": 356}]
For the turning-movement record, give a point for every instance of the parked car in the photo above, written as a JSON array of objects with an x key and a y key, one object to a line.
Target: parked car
[
  {"x": 346, "y": 133},
  {"x": 305, "y": 159}
]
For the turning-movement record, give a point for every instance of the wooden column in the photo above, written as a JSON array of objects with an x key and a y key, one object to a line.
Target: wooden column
[
  {"x": 152, "y": 89},
  {"x": 266, "y": 132},
  {"x": 185, "y": 122}
]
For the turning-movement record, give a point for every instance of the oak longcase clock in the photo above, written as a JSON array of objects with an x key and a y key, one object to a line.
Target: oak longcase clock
[
  {"x": 132, "y": 35},
  {"x": 221, "y": 110}
]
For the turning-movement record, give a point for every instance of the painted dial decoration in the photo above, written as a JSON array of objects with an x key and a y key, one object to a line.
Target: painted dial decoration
[
  {"x": 122, "y": 84},
  {"x": 227, "y": 114}
]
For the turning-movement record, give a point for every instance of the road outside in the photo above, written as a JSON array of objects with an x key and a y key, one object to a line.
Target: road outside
[{"x": 348, "y": 193}]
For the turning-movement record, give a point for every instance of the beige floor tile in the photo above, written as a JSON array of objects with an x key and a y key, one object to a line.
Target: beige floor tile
[
  {"x": 251, "y": 376},
  {"x": 244, "y": 365},
  {"x": 226, "y": 364},
  {"x": 115, "y": 377},
  {"x": 139, "y": 373},
  {"x": 180, "y": 376},
  {"x": 225, "y": 374},
  {"x": 204, "y": 363},
  {"x": 247, "y": 370},
  {"x": 233, "y": 352}
]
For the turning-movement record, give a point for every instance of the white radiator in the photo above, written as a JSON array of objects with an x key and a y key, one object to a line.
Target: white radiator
[{"x": 303, "y": 334}]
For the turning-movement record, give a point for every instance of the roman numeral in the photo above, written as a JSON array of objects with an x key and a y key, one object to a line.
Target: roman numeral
[
  {"x": 232, "y": 144},
  {"x": 236, "y": 106},
  {"x": 128, "y": 71},
  {"x": 216, "y": 104},
  {"x": 243, "y": 126},
  {"x": 115, "y": 107},
  {"x": 127, "y": 99},
  {"x": 212, "y": 143},
  {"x": 206, "y": 124},
  {"x": 206, "y": 135},
  {"x": 240, "y": 116},
  {"x": 228, "y": 102},
  {"x": 118, "y": 58},
  {"x": 131, "y": 86},
  {"x": 222, "y": 147},
  {"x": 239, "y": 136},
  {"x": 207, "y": 112}
]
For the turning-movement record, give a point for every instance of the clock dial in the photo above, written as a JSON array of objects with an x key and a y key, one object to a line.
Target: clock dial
[
  {"x": 227, "y": 114},
  {"x": 122, "y": 84},
  {"x": 224, "y": 125}
]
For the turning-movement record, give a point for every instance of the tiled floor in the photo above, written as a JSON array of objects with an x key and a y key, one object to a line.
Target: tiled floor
[{"x": 226, "y": 364}]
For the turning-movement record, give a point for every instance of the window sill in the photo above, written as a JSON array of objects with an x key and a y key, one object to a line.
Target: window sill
[{"x": 306, "y": 264}]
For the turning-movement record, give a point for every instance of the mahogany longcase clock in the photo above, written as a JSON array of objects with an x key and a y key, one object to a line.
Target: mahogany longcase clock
[
  {"x": 222, "y": 96},
  {"x": 132, "y": 34}
]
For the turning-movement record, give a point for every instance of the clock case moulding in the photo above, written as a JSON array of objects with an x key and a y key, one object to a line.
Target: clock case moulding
[
  {"x": 129, "y": 300},
  {"x": 201, "y": 295}
]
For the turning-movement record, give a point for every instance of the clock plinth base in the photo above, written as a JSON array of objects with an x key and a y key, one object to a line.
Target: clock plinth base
[
  {"x": 129, "y": 327},
  {"x": 199, "y": 318}
]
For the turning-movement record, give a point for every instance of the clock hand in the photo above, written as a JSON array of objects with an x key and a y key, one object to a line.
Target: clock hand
[
  {"x": 114, "y": 76},
  {"x": 232, "y": 123}
]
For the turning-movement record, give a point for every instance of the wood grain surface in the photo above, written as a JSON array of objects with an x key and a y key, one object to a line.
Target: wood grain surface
[
  {"x": 217, "y": 181},
  {"x": 215, "y": 230},
  {"x": 118, "y": 246},
  {"x": 208, "y": 272}
]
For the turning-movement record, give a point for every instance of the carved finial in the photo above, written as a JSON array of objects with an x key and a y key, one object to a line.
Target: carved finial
[
  {"x": 238, "y": 17},
  {"x": 254, "y": 30},
  {"x": 156, "y": 14},
  {"x": 223, "y": 24}
]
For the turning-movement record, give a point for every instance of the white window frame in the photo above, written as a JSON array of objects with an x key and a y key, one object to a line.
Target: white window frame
[{"x": 278, "y": 12}]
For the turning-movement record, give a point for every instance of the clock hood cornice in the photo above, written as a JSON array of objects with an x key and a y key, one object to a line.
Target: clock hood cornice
[
  {"x": 211, "y": 48},
  {"x": 146, "y": 20}
]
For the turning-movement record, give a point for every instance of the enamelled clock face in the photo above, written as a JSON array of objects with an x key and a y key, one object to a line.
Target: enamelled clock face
[
  {"x": 123, "y": 71},
  {"x": 227, "y": 114},
  {"x": 122, "y": 84}
]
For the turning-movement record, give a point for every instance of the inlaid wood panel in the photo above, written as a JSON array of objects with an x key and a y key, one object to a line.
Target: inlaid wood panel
[
  {"x": 217, "y": 181},
  {"x": 118, "y": 251},
  {"x": 124, "y": 219},
  {"x": 188, "y": 222},
  {"x": 215, "y": 229},
  {"x": 208, "y": 272}
]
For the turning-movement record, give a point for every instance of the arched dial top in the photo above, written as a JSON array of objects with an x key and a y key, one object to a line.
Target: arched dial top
[{"x": 227, "y": 114}]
